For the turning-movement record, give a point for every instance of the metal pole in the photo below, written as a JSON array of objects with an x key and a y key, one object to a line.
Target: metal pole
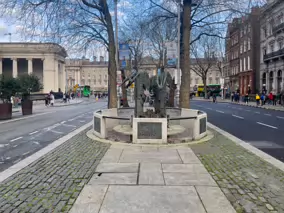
[
  {"x": 116, "y": 34},
  {"x": 178, "y": 55}
]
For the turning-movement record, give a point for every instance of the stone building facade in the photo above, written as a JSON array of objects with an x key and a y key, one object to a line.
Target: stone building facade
[
  {"x": 272, "y": 47},
  {"x": 45, "y": 60},
  {"x": 85, "y": 72},
  {"x": 241, "y": 69}
]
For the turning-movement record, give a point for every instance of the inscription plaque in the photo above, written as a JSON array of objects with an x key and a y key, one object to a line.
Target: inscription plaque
[
  {"x": 97, "y": 124},
  {"x": 147, "y": 130},
  {"x": 202, "y": 125}
]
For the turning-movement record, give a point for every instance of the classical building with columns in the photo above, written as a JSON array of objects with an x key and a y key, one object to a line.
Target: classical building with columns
[
  {"x": 272, "y": 46},
  {"x": 45, "y": 60}
]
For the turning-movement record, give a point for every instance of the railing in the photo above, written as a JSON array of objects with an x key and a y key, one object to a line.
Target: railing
[
  {"x": 278, "y": 28},
  {"x": 181, "y": 118},
  {"x": 273, "y": 55}
]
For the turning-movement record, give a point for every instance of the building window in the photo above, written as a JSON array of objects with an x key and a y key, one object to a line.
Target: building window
[
  {"x": 264, "y": 32},
  {"x": 272, "y": 48},
  {"x": 264, "y": 51},
  {"x": 249, "y": 43},
  {"x": 280, "y": 45},
  {"x": 245, "y": 46},
  {"x": 249, "y": 28},
  {"x": 241, "y": 48},
  {"x": 241, "y": 61},
  {"x": 217, "y": 80},
  {"x": 248, "y": 63},
  {"x": 244, "y": 64},
  {"x": 210, "y": 80}
]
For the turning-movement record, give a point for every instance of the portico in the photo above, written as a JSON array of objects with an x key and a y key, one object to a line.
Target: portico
[{"x": 45, "y": 60}]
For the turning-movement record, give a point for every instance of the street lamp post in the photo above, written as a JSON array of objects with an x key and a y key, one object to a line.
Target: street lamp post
[{"x": 178, "y": 55}]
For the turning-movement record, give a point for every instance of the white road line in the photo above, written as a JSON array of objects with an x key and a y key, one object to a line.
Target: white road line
[
  {"x": 247, "y": 110},
  {"x": 69, "y": 125},
  {"x": 267, "y": 114},
  {"x": 15, "y": 146},
  {"x": 273, "y": 127},
  {"x": 57, "y": 132},
  {"x": 8, "y": 158},
  {"x": 15, "y": 139},
  {"x": 280, "y": 117},
  {"x": 209, "y": 108},
  {"x": 63, "y": 122},
  {"x": 257, "y": 112},
  {"x": 35, "y": 142},
  {"x": 82, "y": 121},
  {"x": 238, "y": 116},
  {"x": 71, "y": 119},
  {"x": 33, "y": 132},
  {"x": 220, "y": 111},
  {"x": 3, "y": 145},
  {"x": 26, "y": 153}
]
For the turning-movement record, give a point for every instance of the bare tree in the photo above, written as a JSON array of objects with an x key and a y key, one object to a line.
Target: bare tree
[
  {"x": 204, "y": 59},
  {"x": 198, "y": 18},
  {"x": 73, "y": 22}
]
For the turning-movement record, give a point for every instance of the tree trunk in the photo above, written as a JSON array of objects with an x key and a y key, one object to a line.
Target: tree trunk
[
  {"x": 184, "y": 56},
  {"x": 205, "y": 87},
  {"x": 112, "y": 69},
  {"x": 124, "y": 91}
]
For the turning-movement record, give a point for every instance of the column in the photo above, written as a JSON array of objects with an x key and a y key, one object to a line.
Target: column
[
  {"x": 267, "y": 81},
  {"x": 64, "y": 78},
  {"x": 274, "y": 87},
  {"x": 56, "y": 75},
  {"x": 1, "y": 66},
  {"x": 15, "y": 67},
  {"x": 30, "y": 66},
  {"x": 45, "y": 89}
]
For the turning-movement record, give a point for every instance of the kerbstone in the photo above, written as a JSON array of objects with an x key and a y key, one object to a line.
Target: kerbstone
[{"x": 141, "y": 199}]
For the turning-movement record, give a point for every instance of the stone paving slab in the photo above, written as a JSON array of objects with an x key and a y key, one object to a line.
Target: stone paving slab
[
  {"x": 184, "y": 168},
  {"x": 151, "y": 174},
  {"x": 53, "y": 182},
  {"x": 113, "y": 178},
  {"x": 250, "y": 183},
  {"x": 117, "y": 167},
  {"x": 189, "y": 179},
  {"x": 152, "y": 199}
]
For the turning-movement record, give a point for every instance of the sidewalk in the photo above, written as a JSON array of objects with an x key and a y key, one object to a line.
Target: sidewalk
[
  {"x": 218, "y": 176},
  {"x": 251, "y": 104}
]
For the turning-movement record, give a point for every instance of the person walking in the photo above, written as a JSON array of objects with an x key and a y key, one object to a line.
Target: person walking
[
  {"x": 246, "y": 99},
  {"x": 52, "y": 99},
  {"x": 214, "y": 98},
  {"x": 257, "y": 98}
]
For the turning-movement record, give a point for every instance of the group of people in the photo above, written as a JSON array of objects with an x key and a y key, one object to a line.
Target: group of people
[
  {"x": 271, "y": 99},
  {"x": 50, "y": 99}
]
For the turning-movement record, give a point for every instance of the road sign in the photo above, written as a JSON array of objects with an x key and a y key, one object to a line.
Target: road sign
[
  {"x": 123, "y": 64},
  {"x": 132, "y": 85}
]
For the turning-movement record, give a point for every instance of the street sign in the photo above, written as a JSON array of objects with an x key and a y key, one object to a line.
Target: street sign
[
  {"x": 124, "y": 51},
  {"x": 132, "y": 85},
  {"x": 123, "y": 64}
]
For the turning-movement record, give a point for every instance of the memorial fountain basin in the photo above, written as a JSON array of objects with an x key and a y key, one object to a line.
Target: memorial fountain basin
[{"x": 150, "y": 130}]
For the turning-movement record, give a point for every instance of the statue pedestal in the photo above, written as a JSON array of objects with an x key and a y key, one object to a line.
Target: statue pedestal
[{"x": 150, "y": 130}]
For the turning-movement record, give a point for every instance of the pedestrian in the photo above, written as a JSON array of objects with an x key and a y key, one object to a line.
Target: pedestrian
[
  {"x": 214, "y": 98},
  {"x": 52, "y": 99},
  {"x": 246, "y": 98},
  {"x": 257, "y": 98},
  {"x": 270, "y": 97}
]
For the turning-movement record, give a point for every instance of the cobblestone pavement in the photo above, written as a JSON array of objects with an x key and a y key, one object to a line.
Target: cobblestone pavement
[
  {"x": 250, "y": 183},
  {"x": 52, "y": 183}
]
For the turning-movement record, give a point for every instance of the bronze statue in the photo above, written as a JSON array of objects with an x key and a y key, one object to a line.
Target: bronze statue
[
  {"x": 142, "y": 83},
  {"x": 158, "y": 87}
]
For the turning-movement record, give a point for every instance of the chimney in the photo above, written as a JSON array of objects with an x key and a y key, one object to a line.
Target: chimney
[{"x": 101, "y": 59}]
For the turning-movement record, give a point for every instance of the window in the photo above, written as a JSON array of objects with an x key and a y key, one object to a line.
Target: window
[
  {"x": 242, "y": 32},
  {"x": 217, "y": 80},
  {"x": 241, "y": 48},
  {"x": 210, "y": 80},
  {"x": 249, "y": 43},
  {"x": 248, "y": 63},
  {"x": 272, "y": 48},
  {"x": 241, "y": 61},
  {"x": 244, "y": 64},
  {"x": 245, "y": 46},
  {"x": 280, "y": 45},
  {"x": 249, "y": 28},
  {"x": 264, "y": 32},
  {"x": 264, "y": 51}
]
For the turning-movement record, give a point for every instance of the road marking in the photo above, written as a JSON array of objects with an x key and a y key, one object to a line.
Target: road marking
[
  {"x": 238, "y": 116},
  {"x": 15, "y": 146},
  {"x": 26, "y": 153},
  {"x": 69, "y": 125},
  {"x": 8, "y": 158},
  {"x": 209, "y": 108},
  {"x": 257, "y": 112},
  {"x": 57, "y": 132},
  {"x": 15, "y": 139},
  {"x": 63, "y": 122},
  {"x": 82, "y": 121},
  {"x": 220, "y": 111},
  {"x": 247, "y": 110},
  {"x": 35, "y": 142},
  {"x": 267, "y": 114},
  {"x": 26, "y": 117},
  {"x": 33, "y": 132},
  {"x": 273, "y": 127},
  {"x": 72, "y": 119},
  {"x": 3, "y": 145},
  {"x": 280, "y": 117}
]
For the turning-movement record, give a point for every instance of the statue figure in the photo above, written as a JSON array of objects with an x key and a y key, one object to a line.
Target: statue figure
[
  {"x": 142, "y": 83},
  {"x": 159, "y": 86}
]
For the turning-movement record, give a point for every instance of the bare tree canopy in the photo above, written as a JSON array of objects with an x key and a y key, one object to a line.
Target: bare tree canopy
[{"x": 68, "y": 22}]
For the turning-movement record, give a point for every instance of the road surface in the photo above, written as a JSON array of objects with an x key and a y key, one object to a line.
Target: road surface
[
  {"x": 261, "y": 128},
  {"x": 23, "y": 136}
]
